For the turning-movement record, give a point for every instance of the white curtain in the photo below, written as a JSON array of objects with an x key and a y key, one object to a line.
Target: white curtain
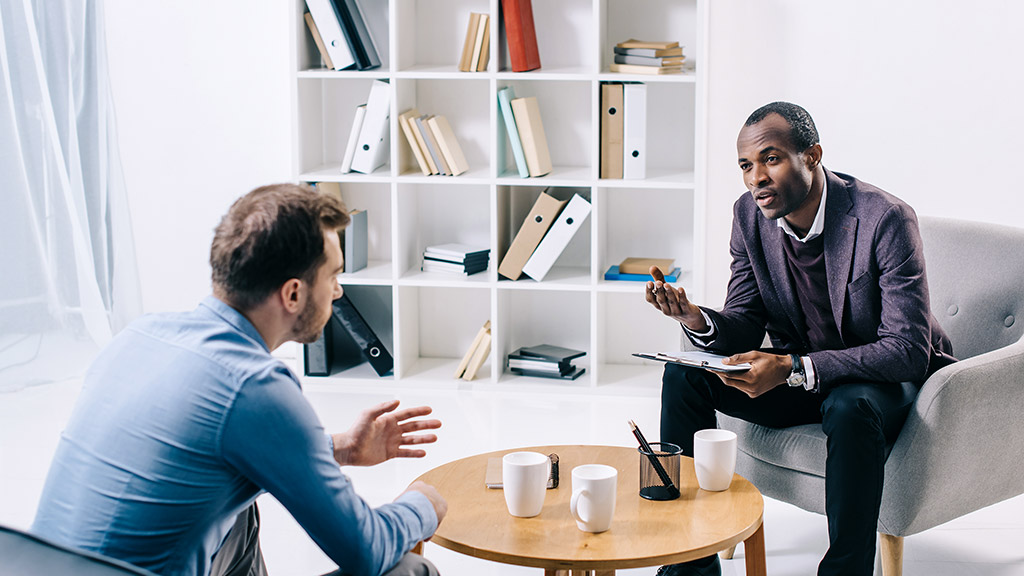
[{"x": 68, "y": 277}]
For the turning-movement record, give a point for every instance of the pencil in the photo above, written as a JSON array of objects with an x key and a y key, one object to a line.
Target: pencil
[{"x": 673, "y": 491}]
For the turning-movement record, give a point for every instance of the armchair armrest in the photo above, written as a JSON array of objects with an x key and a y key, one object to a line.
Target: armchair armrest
[{"x": 962, "y": 444}]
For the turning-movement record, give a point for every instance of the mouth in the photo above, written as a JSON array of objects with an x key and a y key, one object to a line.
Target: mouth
[{"x": 764, "y": 197}]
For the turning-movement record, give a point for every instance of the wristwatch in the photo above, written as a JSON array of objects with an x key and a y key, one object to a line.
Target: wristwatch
[{"x": 797, "y": 378}]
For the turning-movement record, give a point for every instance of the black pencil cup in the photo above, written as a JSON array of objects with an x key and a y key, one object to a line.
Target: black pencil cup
[{"x": 651, "y": 485}]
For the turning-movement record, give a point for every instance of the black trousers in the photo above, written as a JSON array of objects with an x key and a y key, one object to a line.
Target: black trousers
[{"x": 859, "y": 420}]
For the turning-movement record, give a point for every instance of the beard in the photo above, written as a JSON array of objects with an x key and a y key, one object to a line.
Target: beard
[{"x": 309, "y": 325}]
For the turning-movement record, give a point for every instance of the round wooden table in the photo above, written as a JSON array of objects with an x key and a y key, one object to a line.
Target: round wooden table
[{"x": 643, "y": 532}]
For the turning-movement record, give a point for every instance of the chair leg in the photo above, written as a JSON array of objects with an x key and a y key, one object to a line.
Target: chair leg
[
  {"x": 892, "y": 554},
  {"x": 728, "y": 553}
]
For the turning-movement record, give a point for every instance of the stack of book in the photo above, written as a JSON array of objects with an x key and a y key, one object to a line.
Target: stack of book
[
  {"x": 341, "y": 35},
  {"x": 433, "y": 143},
  {"x": 455, "y": 259},
  {"x": 525, "y": 133},
  {"x": 639, "y": 269},
  {"x": 544, "y": 234},
  {"x": 648, "y": 57},
  {"x": 546, "y": 361},
  {"x": 476, "y": 48}
]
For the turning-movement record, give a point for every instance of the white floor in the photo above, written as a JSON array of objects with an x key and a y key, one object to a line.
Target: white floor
[{"x": 986, "y": 543}]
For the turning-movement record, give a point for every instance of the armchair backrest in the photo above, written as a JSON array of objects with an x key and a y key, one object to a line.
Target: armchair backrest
[{"x": 976, "y": 282}]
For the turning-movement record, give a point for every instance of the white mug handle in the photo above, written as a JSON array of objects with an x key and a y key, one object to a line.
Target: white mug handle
[{"x": 572, "y": 504}]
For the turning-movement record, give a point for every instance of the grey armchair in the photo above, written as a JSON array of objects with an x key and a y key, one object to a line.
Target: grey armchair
[
  {"x": 23, "y": 554},
  {"x": 962, "y": 446}
]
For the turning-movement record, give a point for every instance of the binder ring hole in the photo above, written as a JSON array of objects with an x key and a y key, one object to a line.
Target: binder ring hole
[
  {"x": 636, "y": 153},
  {"x": 539, "y": 219},
  {"x": 568, "y": 221},
  {"x": 367, "y": 147},
  {"x": 612, "y": 111},
  {"x": 374, "y": 352}
]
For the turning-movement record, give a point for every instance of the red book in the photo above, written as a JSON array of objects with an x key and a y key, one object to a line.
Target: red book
[{"x": 521, "y": 36}]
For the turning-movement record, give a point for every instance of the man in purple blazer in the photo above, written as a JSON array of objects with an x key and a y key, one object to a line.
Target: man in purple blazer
[{"x": 833, "y": 270}]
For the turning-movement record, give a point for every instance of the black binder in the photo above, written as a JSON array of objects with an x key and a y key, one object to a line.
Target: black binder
[
  {"x": 356, "y": 33},
  {"x": 372, "y": 347}
]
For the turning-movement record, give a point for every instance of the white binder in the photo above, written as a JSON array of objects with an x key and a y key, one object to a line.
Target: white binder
[
  {"x": 328, "y": 24},
  {"x": 562, "y": 230},
  {"x": 353, "y": 139},
  {"x": 372, "y": 145},
  {"x": 634, "y": 137}
]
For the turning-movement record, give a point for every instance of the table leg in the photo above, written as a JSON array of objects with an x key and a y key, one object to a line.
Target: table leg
[{"x": 753, "y": 550}]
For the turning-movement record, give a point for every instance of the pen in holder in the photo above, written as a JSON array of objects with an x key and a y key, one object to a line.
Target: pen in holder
[{"x": 661, "y": 485}]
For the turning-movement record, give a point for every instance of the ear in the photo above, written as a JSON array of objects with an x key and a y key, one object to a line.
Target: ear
[
  {"x": 812, "y": 157},
  {"x": 292, "y": 295}
]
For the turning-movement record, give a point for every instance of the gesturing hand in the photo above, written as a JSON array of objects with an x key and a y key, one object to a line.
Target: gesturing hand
[
  {"x": 380, "y": 434},
  {"x": 766, "y": 372},
  {"x": 672, "y": 302}
]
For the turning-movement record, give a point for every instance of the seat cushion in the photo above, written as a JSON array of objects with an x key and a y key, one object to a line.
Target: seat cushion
[{"x": 800, "y": 448}]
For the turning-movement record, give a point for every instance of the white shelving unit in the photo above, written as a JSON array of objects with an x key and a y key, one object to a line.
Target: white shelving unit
[{"x": 428, "y": 321}]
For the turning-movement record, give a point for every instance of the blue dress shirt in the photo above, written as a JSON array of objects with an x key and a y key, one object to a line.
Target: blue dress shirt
[{"x": 183, "y": 420}]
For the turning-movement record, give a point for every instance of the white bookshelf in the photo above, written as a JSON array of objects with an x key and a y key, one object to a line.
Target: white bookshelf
[{"x": 427, "y": 320}]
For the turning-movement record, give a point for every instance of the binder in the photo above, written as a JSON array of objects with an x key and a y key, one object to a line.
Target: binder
[
  {"x": 354, "y": 241},
  {"x": 372, "y": 145},
  {"x": 353, "y": 139},
  {"x": 328, "y": 23},
  {"x": 505, "y": 97},
  {"x": 521, "y": 36},
  {"x": 611, "y": 130},
  {"x": 360, "y": 43},
  {"x": 537, "y": 222},
  {"x": 353, "y": 322},
  {"x": 324, "y": 55},
  {"x": 410, "y": 137},
  {"x": 557, "y": 238},
  {"x": 432, "y": 145},
  {"x": 470, "y": 42},
  {"x": 634, "y": 138},
  {"x": 449, "y": 145},
  {"x": 531, "y": 133}
]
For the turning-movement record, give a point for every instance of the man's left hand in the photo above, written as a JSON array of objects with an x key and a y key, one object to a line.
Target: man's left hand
[
  {"x": 766, "y": 372},
  {"x": 380, "y": 434}
]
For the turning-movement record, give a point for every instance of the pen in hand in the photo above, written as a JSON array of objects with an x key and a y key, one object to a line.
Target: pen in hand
[{"x": 673, "y": 491}]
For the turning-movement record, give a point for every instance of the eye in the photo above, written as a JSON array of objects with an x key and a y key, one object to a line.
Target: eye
[
  {"x": 744, "y": 166},
  {"x": 772, "y": 159}
]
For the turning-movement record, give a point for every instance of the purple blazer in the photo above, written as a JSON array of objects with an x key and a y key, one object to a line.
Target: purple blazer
[{"x": 875, "y": 266}]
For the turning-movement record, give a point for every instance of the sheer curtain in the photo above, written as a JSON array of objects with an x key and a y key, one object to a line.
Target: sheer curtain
[{"x": 68, "y": 277}]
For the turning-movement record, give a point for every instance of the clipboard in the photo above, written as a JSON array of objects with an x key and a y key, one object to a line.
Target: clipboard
[{"x": 696, "y": 359}]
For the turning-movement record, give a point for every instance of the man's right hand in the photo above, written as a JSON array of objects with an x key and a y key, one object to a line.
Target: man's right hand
[
  {"x": 440, "y": 504},
  {"x": 672, "y": 302}
]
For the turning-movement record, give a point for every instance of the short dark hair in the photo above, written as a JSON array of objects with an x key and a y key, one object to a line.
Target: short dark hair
[
  {"x": 269, "y": 236},
  {"x": 802, "y": 131}
]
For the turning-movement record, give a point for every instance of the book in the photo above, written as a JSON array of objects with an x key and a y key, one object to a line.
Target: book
[
  {"x": 520, "y": 34},
  {"x": 461, "y": 368},
  {"x": 613, "y": 273},
  {"x": 574, "y": 374},
  {"x": 634, "y": 69},
  {"x": 505, "y": 97},
  {"x": 478, "y": 47},
  {"x": 448, "y": 144},
  {"x": 410, "y": 137},
  {"x": 470, "y": 42},
  {"x": 372, "y": 145},
  {"x": 360, "y": 42},
  {"x": 354, "y": 241},
  {"x": 611, "y": 130},
  {"x": 643, "y": 265},
  {"x": 537, "y": 364},
  {"x": 431, "y": 145},
  {"x": 480, "y": 355},
  {"x": 324, "y": 55},
  {"x": 460, "y": 251},
  {"x": 485, "y": 45},
  {"x": 648, "y": 44},
  {"x": 569, "y": 221},
  {"x": 417, "y": 132},
  {"x": 650, "y": 52},
  {"x": 697, "y": 359},
  {"x": 541, "y": 216},
  {"x": 328, "y": 25},
  {"x": 531, "y": 134},
  {"x": 649, "y": 61},
  {"x": 551, "y": 353},
  {"x": 353, "y": 322},
  {"x": 353, "y": 139}
]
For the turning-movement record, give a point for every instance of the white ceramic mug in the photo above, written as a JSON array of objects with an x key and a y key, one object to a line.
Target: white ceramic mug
[
  {"x": 593, "y": 496},
  {"x": 714, "y": 458},
  {"x": 524, "y": 479}
]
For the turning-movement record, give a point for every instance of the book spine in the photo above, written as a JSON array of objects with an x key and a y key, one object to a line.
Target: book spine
[
  {"x": 467, "y": 45},
  {"x": 505, "y": 97},
  {"x": 521, "y": 35},
  {"x": 531, "y": 132}
]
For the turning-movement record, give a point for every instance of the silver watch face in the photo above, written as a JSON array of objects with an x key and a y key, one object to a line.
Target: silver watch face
[{"x": 796, "y": 379}]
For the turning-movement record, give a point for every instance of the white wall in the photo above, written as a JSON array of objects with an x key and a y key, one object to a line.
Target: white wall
[
  {"x": 202, "y": 95},
  {"x": 920, "y": 98}
]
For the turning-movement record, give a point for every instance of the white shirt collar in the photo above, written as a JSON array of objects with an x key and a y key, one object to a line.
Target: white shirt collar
[{"x": 817, "y": 227}]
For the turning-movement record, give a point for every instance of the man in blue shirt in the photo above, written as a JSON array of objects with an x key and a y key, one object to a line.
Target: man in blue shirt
[{"x": 184, "y": 419}]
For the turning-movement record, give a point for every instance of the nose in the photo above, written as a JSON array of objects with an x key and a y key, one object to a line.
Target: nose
[{"x": 758, "y": 177}]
